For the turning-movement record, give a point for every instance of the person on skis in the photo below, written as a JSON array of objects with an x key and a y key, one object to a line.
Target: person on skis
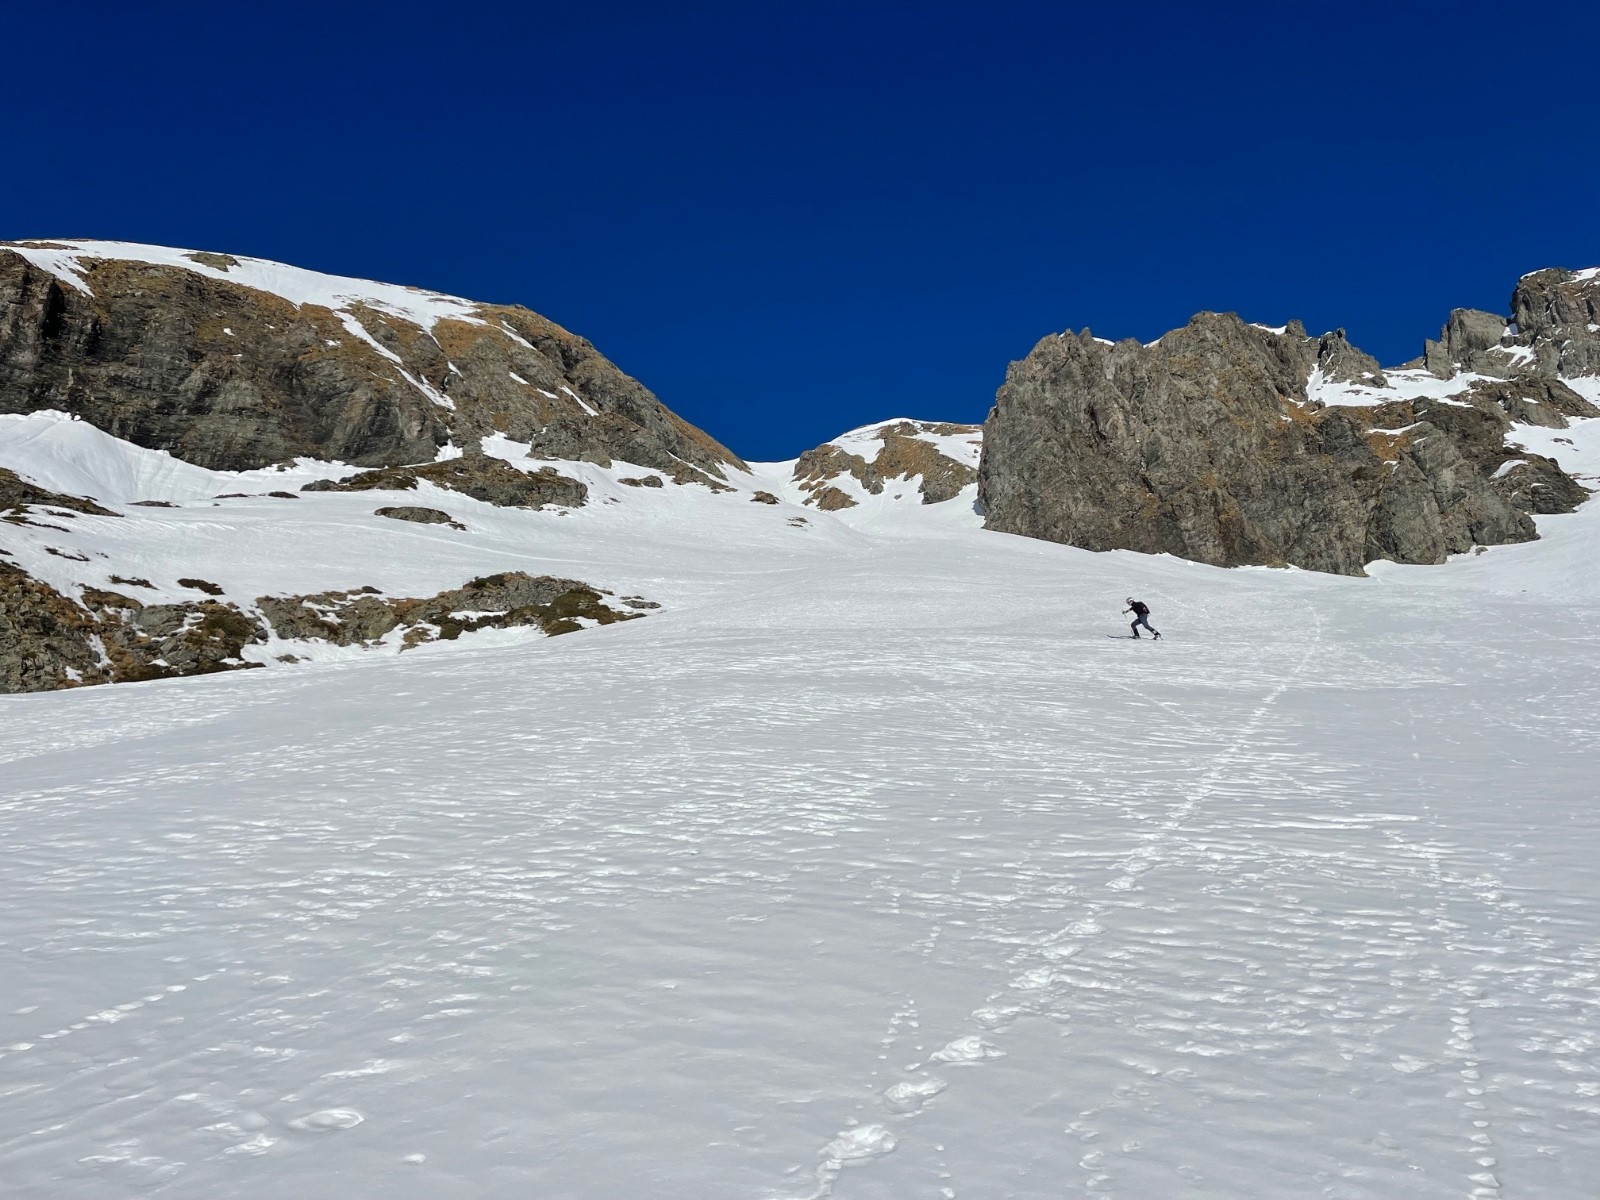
[{"x": 1141, "y": 616}]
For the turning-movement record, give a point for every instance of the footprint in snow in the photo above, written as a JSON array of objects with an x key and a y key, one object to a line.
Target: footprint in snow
[
  {"x": 859, "y": 1144},
  {"x": 967, "y": 1049},
  {"x": 909, "y": 1097},
  {"x": 327, "y": 1120},
  {"x": 995, "y": 1017}
]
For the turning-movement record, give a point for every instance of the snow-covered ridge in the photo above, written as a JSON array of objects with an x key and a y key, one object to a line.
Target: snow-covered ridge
[
  {"x": 1581, "y": 276},
  {"x": 66, "y": 258}
]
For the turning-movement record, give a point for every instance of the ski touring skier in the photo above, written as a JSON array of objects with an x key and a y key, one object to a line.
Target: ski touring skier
[{"x": 1141, "y": 616}]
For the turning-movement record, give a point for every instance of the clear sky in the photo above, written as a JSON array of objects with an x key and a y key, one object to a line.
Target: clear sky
[{"x": 792, "y": 219}]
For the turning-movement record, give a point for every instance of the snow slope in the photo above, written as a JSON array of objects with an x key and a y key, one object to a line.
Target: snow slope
[{"x": 870, "y": 867}]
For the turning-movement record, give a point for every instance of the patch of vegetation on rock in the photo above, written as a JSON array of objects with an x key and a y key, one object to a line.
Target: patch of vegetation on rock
[
  {"x": 201, "y": 585},
  {"x": 205, "y": 258},
  {"x": 165, "y": 641}
]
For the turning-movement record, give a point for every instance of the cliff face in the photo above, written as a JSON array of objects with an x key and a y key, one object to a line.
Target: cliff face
[
  {"x": 234, "y": 364},
  {"x": 1234, "y": 444}
]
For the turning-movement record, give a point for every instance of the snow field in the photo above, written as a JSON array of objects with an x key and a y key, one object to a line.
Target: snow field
[{"x": 868, "y": 867}]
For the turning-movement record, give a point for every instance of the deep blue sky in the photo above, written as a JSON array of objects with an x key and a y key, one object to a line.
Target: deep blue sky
[{"x": 791, "y": 219}]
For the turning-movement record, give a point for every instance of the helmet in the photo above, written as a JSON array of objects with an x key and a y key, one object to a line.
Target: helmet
[{"x": 1130, "y": 599}]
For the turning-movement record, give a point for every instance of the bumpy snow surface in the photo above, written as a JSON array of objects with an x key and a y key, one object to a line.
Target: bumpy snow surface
[{"x": 870, "y": 867}]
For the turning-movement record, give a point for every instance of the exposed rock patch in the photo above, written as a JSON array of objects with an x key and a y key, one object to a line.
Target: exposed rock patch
[
  {"x": 502, "y": 601},
  {"x": 831, "y": 499},
  {"x": 900, "y": 450},
  {"x": 481, "y": 477},
  {"x": 423, "y": 516},
  {"x": 17, "y": 495},
  {"x": 48, "y": 641},
  {"x": 45, "y": 639}
]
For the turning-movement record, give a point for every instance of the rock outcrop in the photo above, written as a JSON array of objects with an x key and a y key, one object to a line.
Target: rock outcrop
[
  {"x": 18, "y": 496},
  {"x": 513, "y": 598},
  {"x": 1553, "y": 330},
  {"x": 931, "y": 453},
  {"x": 234, "y": 363},
  {"x": 491, "y": 480},
  {"x": 49, "y": 640},
  {"x": 1211, "y": 444}
]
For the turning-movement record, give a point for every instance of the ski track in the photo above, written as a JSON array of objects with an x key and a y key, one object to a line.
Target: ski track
[{"x": 830, "y": 902}]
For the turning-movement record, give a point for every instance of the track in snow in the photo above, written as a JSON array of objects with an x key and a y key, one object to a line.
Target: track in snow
[{"x": 885, "y": 882}]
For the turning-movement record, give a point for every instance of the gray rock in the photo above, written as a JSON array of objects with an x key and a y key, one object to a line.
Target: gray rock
[
  {"x": 502, "y": 601},
  {"x": 1557, "y": 313},
  {"x": 1471, "y": 340},
  {"x": 1553, "y": 331},
  {"x": 1203, "y": 445},
  {"x": 422, "y": 516},
  {"x": 490, "y": 480},
  {"x": 1341, "y": 362}
]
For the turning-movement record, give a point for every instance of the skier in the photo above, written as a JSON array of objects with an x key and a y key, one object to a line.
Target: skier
[{"x": 1141, "y": 616}]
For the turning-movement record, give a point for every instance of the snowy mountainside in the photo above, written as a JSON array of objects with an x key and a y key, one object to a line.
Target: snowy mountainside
[
  {"x": 297, "y": 573},
  {"x": 869, "y": 867},
  {"x": 878, "y": 861}
]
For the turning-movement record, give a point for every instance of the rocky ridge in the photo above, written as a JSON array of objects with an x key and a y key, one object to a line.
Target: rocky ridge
[
  {"x": 1235, "y": 444},
  {"x": 235, "y": 363}
]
